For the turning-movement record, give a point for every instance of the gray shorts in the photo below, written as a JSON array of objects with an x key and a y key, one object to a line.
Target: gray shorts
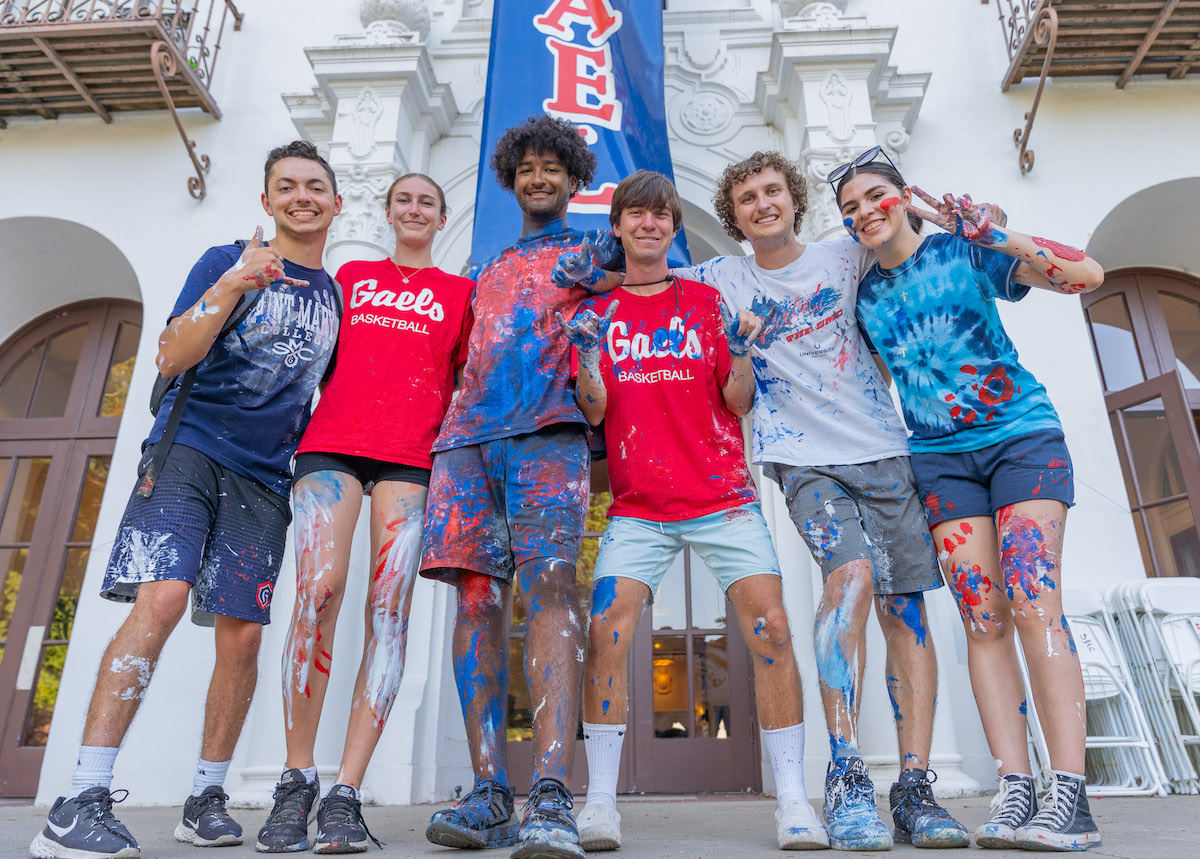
[{"x": 868, "y": 511}]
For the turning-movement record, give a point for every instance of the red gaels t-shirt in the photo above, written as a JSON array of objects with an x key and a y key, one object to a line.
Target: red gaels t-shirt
[
  {"x": 398, "y": 348},
  {"x": 675, "y": 449}
]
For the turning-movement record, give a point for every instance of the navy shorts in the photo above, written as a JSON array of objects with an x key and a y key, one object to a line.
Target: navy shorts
[
  {"x": 364, "y": 469},
  {"x": 207, "y": 525},
  {"x": 495, "y": 505},
  {"x": 981, "y": 482}
]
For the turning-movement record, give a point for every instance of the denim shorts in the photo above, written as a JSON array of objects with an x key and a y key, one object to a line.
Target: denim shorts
[
  {"x": 734, "y": 543},
  {"x": 495, "y": 505},
  {"x": 981, "y": 482},
  {"x": 868, "y": 511}
]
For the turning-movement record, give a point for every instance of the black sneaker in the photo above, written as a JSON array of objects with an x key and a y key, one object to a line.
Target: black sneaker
[
  {"x": 286, "y": 829},
  {"x": 206, "y": 823},
  {"x": 340, "y": 824},
  {"x": 482, "y": 818},
  {"x": 547, "y": 824},
  {"x": 1012, "y": 807},
  {"x": 920, "y": 821},
  {"x": 84, "y": 827},
  {"x": 1064, "y": 822}
]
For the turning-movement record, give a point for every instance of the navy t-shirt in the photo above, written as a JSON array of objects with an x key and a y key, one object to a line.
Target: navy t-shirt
[{"x": 252, "y": 396}]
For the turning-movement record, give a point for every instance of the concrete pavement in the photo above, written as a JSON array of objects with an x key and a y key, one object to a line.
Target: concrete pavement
[{"x": 654, "y": 827}]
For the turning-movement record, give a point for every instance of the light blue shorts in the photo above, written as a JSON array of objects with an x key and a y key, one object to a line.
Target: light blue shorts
[{"x": 734, "y": 543}]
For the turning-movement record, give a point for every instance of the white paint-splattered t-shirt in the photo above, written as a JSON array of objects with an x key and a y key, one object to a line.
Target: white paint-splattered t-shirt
[{"x": 819, "y": 398}]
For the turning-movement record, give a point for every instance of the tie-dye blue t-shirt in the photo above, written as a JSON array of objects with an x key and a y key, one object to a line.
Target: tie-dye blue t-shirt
[
  {"x": 250, "y": 402},
  {"x": 935, "y": 323}
]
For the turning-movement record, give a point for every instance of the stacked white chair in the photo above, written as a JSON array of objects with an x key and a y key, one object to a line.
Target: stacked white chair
[
  {"x": 1120, "y": 756},
  {"x": 1155, "y": 622}
]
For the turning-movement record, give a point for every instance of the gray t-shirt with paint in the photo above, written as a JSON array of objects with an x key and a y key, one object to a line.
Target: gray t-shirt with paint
[{"x": 819, "y": 398}]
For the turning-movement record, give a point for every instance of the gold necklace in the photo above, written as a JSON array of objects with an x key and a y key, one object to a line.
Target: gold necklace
[{"x": 405, "y": 277}]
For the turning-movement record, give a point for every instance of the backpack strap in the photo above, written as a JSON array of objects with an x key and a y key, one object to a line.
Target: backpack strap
[{"x": 241, "y": 310}]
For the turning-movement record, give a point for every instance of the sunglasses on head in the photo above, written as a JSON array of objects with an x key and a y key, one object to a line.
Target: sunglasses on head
[{"x": 866, "y": 158}]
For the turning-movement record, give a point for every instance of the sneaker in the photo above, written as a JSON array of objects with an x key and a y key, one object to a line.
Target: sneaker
[
  {"x": 340, "y": 824},
  {"x": 1064, "y": 821},
  {"x": 850, "y": 813},
  {"x": 482, "y": 818},
  {"x": 206, "y": 823},
  {"x": 919, "y": 820},
  {"x": 599, "y": 827},
  {"x": 547, "y": 824},
  {"x": 796, "y": 825},
  {"x": 1012, "y": 807},
  {"x": 84, "y": 827},
  {"x": 286, "y": 829}
]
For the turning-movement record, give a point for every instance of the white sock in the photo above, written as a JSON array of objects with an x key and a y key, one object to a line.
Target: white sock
[
  {"x": 208, "y": 774},
  {"x": 310, "y": 773},
  {"x": 357, "y": 793},
  {"x": 603, "y": 746},
  {"x": 94, "y": 768},
  {"x": 786, "y": 749}
]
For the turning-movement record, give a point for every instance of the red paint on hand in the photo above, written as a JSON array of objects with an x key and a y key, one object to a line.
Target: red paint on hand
[{"x": 1061, "y": 251}]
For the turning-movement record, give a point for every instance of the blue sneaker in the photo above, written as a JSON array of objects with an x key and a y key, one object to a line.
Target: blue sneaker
[
  {"x": 84, "y": 827},
  {"x": 286, "y": 829},
  {"x": 850, "y": 812},
  {"x": 920, "y": 821},
  {"x": 206, "y": 822},
  {"x": 548, "y": 828},
  {"x": 482, "y": 818}
]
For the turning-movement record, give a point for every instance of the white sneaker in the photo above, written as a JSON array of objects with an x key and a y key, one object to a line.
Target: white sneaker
[
  {"x": 599, "y": 827},
  {"x": 799, "y": 828}
]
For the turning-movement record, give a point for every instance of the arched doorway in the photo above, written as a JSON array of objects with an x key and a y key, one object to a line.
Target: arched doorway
[
  {"x": 63, "y": 385},
  {"x": 1145, "y": 329}
]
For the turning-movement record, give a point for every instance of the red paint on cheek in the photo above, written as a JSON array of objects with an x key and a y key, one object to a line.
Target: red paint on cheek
[
  {"x": 888, "y": 202},
  {"x": 1061, "y": 251}
]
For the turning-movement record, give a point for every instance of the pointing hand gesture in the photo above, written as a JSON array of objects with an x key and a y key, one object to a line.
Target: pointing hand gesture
[
  {"x": 958, "y": 215},
  {"x": 259, "y": 266},
  {"x": 740, "y": 331},
  {"x": 576, "y": 268}
]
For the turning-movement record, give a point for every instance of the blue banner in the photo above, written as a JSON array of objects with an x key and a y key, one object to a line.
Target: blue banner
[{"x": 596, "y": 63}]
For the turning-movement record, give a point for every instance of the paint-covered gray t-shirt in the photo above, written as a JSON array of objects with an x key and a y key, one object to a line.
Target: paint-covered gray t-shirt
[{"x": 819, "y": 398}]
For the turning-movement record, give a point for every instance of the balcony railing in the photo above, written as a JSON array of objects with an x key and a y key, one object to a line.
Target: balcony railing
[
  {"x": 100, "y": 56},
  {"x": 1074, "y": 38}
]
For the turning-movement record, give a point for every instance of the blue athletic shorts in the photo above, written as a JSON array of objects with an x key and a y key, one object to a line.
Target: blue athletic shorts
[
  {"x": 207, "y": 525},
  {"x": 982, "y": 482},
  {"x": 495, "y": 505},
  {"x": 734, "y": 543}
]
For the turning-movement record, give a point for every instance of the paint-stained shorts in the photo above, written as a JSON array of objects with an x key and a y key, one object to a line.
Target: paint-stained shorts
[
  {"x": 734, "y": 543},
  {"x": 1026, "y": 467},
  {"x": 867, "y": 511},
  {"x": 207, "y": 525},
  {"x": 495, "y": 505}
]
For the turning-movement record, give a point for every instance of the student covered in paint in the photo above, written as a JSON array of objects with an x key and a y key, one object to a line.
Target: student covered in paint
[
  {"x": 991, "y": 466},
  {"x": 661, "y": 345},
  {"x": 404, "y": 337},
  {"x": 826, "y": 431},
  {"x": 213, "y": 522},
  {"x": 508, "y": 499}
]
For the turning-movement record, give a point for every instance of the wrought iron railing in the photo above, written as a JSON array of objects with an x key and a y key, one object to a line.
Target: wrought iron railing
[
  {"x": 191, "y": 25},
  {"x": 1016, "y": 19}
]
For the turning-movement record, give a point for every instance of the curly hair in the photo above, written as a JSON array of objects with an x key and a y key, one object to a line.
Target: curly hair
[
  {"x": 296, "y": 149},
  {"x": 541, "y": 134},
  {"x": 735, "y": 174}
]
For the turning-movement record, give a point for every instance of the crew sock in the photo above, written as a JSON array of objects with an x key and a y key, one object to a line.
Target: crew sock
[
  {"x": 603, "y": 746},
  {"x": 94, "y": 768},
  {"x": 785, "y": 746},
  {"x": 208, "y": 774}
]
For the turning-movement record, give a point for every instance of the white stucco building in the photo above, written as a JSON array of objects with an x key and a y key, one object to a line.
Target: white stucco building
[{"x": 98, "y": 213}]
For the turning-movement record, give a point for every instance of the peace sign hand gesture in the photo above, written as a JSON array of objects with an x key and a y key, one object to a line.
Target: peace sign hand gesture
[{"x": 957, "y": 215}]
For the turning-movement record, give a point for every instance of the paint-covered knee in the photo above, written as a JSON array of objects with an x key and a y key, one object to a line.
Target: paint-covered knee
[
  {"x": 902, "y": 618},
  {"x": 480, "y": 597},
  {"x": 771, "y": 630}
]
